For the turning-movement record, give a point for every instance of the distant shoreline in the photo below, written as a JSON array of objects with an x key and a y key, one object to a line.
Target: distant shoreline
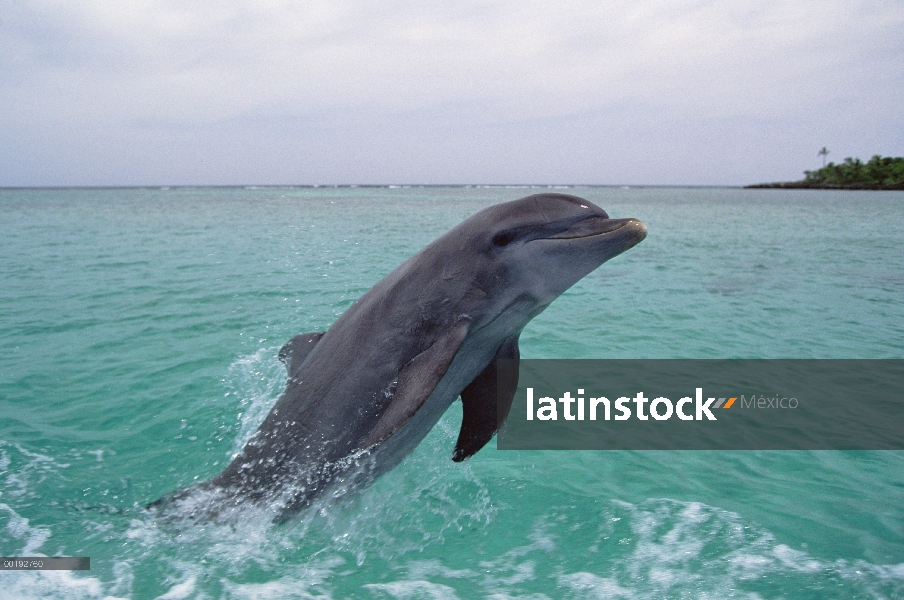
[
  {"x": 879, "y": 173},
  {"x": 808, "y": 185}
]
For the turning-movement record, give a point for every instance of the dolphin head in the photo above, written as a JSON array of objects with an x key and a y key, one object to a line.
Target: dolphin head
[{"x": 522, "y": 255}]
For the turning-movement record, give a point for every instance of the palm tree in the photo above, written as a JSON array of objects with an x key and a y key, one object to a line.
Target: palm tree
[{"x": 823, "y": 153}]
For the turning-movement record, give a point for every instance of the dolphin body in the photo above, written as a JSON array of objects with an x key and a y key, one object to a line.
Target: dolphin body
[{"x": 362, "y": 395}]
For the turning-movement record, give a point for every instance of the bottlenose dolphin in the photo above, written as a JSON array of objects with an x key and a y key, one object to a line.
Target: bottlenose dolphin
[{"x": 363, "y": 395}]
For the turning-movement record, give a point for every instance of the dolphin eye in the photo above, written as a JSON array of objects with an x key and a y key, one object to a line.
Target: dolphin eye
[{"x": 503, "y": 239}]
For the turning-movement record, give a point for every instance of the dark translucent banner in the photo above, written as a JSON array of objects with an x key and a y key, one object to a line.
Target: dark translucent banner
[
  {"x": 45, "y": 563},
  {"x": 703, "y": 405}
]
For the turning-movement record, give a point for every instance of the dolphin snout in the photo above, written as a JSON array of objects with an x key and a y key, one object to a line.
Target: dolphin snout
[
  {"x": 637, "y": 228},
  {"x": 602, "y": 226}
]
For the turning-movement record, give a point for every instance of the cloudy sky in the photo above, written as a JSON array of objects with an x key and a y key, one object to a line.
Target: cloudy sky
[{"x": 143, "y": 92}]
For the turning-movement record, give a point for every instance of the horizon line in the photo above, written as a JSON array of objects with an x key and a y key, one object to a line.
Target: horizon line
[{"x": 252, "y": 186}]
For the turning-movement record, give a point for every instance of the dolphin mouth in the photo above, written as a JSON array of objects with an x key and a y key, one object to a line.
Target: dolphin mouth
[{"x": 599, "y": 226}]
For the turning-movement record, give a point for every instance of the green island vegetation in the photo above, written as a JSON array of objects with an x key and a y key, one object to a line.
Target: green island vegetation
[{"x": 880, "y": 173}]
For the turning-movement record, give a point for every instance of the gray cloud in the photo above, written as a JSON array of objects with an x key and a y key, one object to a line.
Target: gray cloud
[{"x": 473, "y": 92}]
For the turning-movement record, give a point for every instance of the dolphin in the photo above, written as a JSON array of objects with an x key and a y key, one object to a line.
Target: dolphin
[{"x": 364, "y": 394}]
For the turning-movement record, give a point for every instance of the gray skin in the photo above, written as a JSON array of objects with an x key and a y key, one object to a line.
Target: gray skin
[{"x": 363, "y": 395}]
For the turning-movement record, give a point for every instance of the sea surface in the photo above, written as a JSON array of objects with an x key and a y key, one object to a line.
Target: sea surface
[{"x": 138, "y": 337}]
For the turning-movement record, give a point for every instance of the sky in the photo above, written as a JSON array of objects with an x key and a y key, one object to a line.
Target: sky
[{"x": 267, "y": 92}]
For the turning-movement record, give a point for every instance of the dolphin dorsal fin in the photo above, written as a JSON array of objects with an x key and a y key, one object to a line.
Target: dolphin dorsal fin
[
  {"x": 481, "y": 416},
  {"x": 417, "y": 380},
  {"x": 297, "y": 349}
]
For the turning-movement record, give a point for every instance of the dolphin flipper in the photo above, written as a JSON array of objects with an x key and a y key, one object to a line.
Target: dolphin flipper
[
  {"x": 296, "y": 350},
  {"x": 417, "y": 379},
  {"x": 481, "y": 419}
]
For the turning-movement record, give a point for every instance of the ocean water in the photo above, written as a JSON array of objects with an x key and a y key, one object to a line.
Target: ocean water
[{"x": 138, "y": 339}]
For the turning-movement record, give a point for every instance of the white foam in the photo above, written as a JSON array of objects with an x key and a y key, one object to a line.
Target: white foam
[
  {"x": 589, "y": 585},
  {"x": 405, "y": 590},
  {"x": 305, "y": 581},
  {"x": 19, "y": 468},
  {"x": 180, "y": 591},
  {"x": 19, "y": 528}
]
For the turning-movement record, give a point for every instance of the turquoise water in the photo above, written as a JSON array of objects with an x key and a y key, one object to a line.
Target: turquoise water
[{"x": 138, "y": 339}]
